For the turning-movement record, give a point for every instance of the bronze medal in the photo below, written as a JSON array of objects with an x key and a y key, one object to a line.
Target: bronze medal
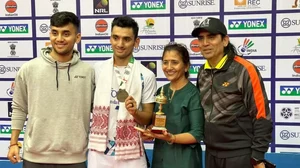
[{"x": 122, "y": 95}]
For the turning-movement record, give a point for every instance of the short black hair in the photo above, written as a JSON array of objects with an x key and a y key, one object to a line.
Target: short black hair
[
  {"x": 126, "y": 22},
  {"x": 183, "y": 52},
  {"x": 63, "y": 18}
]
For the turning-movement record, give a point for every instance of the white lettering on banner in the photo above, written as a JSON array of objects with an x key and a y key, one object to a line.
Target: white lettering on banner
[
  {"x": 254, "y": 2},
  {"x": 17, "y": 28},
  {"x": 196, "y": 68},
  {"x": 100, "y": 10},
  {"x": 153, "y": 4},
  {"x": 297, "y": 90},
  {"x": 257, "y": 23},
  {"x": 104, "y": 47}
]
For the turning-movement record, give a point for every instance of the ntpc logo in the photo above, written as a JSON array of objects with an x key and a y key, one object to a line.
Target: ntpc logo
[{"x": 244, "y": 24}]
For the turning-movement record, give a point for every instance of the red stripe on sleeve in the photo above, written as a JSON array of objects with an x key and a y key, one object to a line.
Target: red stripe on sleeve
[{"x": 257, "y": 89}]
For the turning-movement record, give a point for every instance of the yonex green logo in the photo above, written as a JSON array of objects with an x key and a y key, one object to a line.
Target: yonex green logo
[
  {"x": 241, "y": 24},
  {"x": 289, "y": 90},
  {"x": 194, "y": 68},
  {"x": 98, "y": 48},
  {"x": 147, "y": 4},
  {"x": 6, "y": 129},
  {"x": 13, "y": 28}
]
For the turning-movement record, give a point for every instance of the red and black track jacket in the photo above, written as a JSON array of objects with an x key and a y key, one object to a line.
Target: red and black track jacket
[{"x": 236, "y": 108}]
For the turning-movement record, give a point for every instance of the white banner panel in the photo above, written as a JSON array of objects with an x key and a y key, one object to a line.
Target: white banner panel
[
  {"x": 15, "y": 8},
  {"x": 287, "y": 45},
  {"x": 16, "y": 28},
  {"x": 184, "y": 25},
  {"x": 289, "y": 113},
  {"x": 247, "y": 5},
  {"x": 287, "y": 135},
  {"x": 288, "y": 23},
  {"x": 196, "y": 6},
  {"x": 288, "y": 68},
  {"x": 147, "y": 6},
  {"x": 287, "y": 90},
  {"x": 100, "y": 7},
  {"x": 252, "y": 46},
  {"x": 248, "y": 24},
  {"x": 49, "y": 7},
  {"x": 16, "y": 49}
]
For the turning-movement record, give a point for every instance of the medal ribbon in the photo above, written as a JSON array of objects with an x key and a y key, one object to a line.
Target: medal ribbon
[{"x": 123, "y": 80}]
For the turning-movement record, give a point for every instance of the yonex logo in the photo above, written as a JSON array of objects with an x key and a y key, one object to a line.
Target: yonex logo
[
  {"x": 240, "y": 24},
  {"x": 16, "y": 28},
  {"x": 98, "y": 48},
  {"x": 289, "y": 90},
  {"x": 3, "y": 28},
  {"x": 148, "y": 4},
  {"x": 194, "y": 68}
]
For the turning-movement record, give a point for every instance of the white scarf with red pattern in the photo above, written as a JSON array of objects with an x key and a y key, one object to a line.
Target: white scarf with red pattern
[{"x": 128, "y": 141}]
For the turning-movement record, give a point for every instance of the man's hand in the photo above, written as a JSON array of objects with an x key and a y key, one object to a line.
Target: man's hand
[
  {"x": 130, "y": 105},
  {"x": 13, "y": 154}
]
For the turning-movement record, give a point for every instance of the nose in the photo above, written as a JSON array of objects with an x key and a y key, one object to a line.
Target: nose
[
  {"x": 120, "y": 43},
  {"x": 59, "y": 37},
  {"x": 205, "y": 41},
  {"x": 169, "y": 66}
]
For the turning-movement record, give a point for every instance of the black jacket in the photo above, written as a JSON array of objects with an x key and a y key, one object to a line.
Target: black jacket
[{"x": 236, "y": 108}]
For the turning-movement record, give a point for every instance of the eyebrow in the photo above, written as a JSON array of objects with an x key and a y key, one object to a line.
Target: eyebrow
[{"x": 114, "y": 35}]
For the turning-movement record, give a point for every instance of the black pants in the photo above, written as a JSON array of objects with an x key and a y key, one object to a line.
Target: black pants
[
  {"x": 27, "y": 164},
  {"x": 232, "y": 162}
]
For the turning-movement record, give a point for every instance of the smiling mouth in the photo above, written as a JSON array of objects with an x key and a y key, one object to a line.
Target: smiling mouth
[{"x": 60, "y": 45}]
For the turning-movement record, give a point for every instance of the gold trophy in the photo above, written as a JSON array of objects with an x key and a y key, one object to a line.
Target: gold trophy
[{"x": 159, "y": 118}]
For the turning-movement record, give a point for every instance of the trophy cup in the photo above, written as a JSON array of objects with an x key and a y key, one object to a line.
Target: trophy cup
[{"x": 159, "y": 118}]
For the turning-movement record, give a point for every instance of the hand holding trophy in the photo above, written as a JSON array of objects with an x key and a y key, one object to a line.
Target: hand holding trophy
[{"x": 159, "y": 118}]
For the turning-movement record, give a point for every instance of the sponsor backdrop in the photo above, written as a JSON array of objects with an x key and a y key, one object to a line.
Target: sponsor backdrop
[{"x": 265, "y": 32}]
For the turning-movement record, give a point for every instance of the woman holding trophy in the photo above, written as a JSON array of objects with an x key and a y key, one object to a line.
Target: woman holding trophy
[{"x": 178, "y": 122}]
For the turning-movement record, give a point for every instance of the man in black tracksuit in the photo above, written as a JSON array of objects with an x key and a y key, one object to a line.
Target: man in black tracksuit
[{"x": 238, "y": 125}]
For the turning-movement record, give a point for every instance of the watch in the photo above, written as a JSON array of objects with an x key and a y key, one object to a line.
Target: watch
[{"x": 255, "y": 161}]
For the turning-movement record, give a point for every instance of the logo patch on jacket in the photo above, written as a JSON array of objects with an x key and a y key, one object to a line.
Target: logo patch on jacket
[
  {"x": 79, "y": 76},
  {"x": 225, "y": 84}
]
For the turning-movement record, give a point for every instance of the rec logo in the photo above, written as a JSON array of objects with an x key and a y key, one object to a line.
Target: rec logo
[{"x": 101, "y": 7}]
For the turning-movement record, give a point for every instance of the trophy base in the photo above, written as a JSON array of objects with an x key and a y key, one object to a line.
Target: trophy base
[{"x": 158, "y": 130}]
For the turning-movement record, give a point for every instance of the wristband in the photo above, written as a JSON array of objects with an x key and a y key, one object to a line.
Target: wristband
[{"x": 14, "y": 144}]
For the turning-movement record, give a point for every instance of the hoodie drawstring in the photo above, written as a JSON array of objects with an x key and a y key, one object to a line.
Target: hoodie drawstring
[
  {"x": 56, "y": 67},
  {"x": 56, "y": 74},
  {"x": 69, "y": 71}
]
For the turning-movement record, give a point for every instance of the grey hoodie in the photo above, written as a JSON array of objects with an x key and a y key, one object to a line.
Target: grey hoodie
[{"x": 57, "y": 98}]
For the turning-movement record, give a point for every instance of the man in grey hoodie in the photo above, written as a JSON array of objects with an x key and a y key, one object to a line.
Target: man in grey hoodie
[{"x": 55, "y": 92}]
